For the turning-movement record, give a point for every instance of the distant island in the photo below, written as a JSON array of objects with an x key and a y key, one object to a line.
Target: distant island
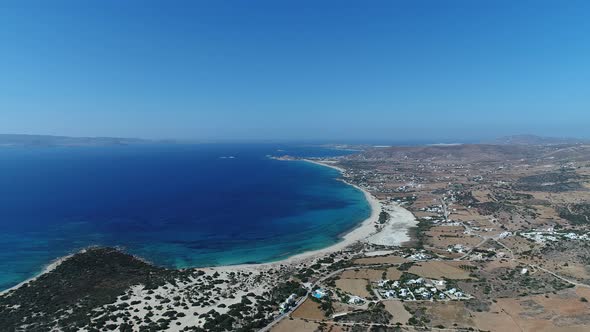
[{"x": 49, "y": 140}]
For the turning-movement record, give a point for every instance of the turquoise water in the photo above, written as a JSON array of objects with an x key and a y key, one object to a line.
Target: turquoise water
[{"x": 176, "y": 205}]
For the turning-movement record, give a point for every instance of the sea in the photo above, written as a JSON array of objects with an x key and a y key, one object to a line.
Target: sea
[{"x": 176, "y": 205}]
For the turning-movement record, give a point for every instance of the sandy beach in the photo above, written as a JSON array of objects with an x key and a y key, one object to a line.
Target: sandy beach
[
  {"x": 254, "y": 278},
  {"x": 363, "y": 231},
  {"x": 394, "y": 233}
]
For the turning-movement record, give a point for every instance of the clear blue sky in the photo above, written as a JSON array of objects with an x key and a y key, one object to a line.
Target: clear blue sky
[{"x": 295, "y": 69}]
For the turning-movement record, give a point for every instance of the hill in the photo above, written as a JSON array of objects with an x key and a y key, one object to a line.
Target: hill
[
  {"x": 474, "y": 153},
  {"x": 536, "y": 140}
]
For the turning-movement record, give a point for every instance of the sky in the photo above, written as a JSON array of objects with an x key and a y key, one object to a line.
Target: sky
[{"x": 295, "y": 70}]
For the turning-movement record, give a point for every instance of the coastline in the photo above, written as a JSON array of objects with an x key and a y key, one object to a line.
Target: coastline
[
  {"x": 48, "y": 268},
  {"x": 390, "y": 233},
  {"x": 362, "y": 231}
]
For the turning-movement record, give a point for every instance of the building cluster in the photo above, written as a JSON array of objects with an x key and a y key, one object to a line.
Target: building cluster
[
  {"x": 289, "y": 302},
  {"x": 438, "y": 209},
  {"x": 418, "y": 289},
  {"x": 419, "y": 256},
  {"x": 551, "y": 235},
  {"x": 458, "y": 248},
  {"x": 319, "y": 293},
  {"x": 356, "y": 300}
]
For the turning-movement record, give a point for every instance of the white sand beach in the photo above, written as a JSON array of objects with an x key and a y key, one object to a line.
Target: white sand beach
[
  {"x": 396, "y": 230},
  {"x": 254, "y": 277},
  {"x": 360, "y": 233},
  {"x": 394, "y": 233}
]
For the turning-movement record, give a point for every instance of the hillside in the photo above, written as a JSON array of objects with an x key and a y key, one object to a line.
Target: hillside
[{"x": 473, "y": 153}]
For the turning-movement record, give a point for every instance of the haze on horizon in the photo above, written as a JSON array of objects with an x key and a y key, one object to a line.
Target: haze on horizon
[{"x": 296, "y": 70}]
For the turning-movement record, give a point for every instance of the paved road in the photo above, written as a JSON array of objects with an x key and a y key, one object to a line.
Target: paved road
[
  {"x": 387, "y": 325},
  {"x": 558, "y": 276},
  {"x": 300, "y": 301}
]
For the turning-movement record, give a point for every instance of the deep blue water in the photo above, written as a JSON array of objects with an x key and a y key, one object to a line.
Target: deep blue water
[{"x": 175, "y": 205}]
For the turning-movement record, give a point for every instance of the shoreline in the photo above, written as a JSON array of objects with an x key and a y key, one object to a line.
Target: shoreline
[
  {"x": 46, "y": 269},
  {"x": 361, "y": 231}
]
